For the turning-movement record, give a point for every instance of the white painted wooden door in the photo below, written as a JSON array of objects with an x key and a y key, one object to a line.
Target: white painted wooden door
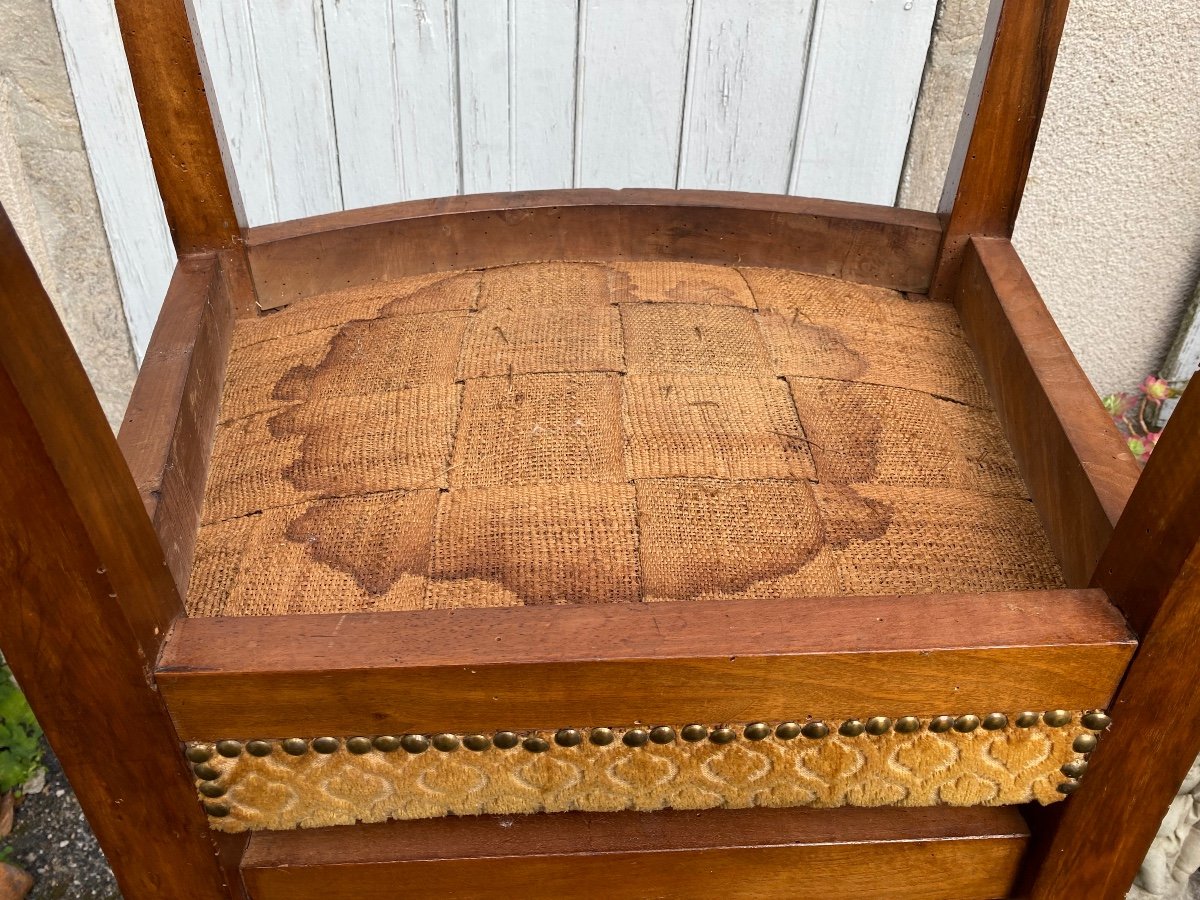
[{"x": 338, "y": 104}]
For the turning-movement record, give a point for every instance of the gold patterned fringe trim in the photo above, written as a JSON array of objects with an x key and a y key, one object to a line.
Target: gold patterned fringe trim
[{"x": 967, "y": 760}]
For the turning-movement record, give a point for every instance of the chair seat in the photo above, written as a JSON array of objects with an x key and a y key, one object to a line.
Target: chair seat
[
  {"x": 615, "y": 433},
  {"x": 604, "y": 432}
]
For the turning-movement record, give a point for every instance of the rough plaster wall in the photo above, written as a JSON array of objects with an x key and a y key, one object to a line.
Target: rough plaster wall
[
  {"x": 1110, "y": 226},
  {"x": 46, "y": 187}
]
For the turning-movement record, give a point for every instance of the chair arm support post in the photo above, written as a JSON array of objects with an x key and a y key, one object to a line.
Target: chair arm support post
[
  {"x": 1151, "y": 571},
  {"x": 999, "y": 128},
  {"x": 200, "y": 200}
]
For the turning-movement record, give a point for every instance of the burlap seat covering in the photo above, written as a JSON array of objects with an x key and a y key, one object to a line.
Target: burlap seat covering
[
  {"x": 592, "y": 433},
  {"x": 612, "y": 432}
]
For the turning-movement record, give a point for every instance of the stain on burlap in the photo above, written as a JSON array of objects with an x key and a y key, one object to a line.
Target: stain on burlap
[{"x": 555, "y": 433}]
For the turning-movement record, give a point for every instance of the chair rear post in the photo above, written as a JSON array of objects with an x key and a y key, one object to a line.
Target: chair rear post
[
  {"x": 199, "y": 197},
  {"x": 999, "y": 128},
  {"x": 88, "y": 601},
  {"x": 1151, "y": 570}
]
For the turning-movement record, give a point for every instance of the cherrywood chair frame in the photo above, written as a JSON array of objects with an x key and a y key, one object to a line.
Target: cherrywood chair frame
[{"x": 96, "y": 534}]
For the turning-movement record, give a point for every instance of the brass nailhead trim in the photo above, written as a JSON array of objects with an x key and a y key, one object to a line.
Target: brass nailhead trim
[
  {"x": 723, "y": 735},
  {"x": 212, "y": 789},
  {"x": 787, "y": 731},
  {"x": 216, "y": 810},
  {"x": 635, "y": 737},
  {"x": 815, "y": 730},
  {"x": 757, "y": 731},
  {"x": 966, "y": 724},
  {"x": 477, "y": 742},
  {"x": 505, "y": 740},
  {"x": 229, "y": 749},
  {"x": 1096, "y": 720},
  {"x": 1068, "y": 787},
  {"x": 662, "y": 734},
  {"x": 1075, "y": 768},
  {"x": 602, "y": 737},
  {"x": 199, "y": 753},
  {"x": 1085, "y": 743},
  {"x": 294, "y": 746},
  {"x": 568, "y": 737},
  {"x": 415, "y": 743},
  {"x": 359, "y": 745}
]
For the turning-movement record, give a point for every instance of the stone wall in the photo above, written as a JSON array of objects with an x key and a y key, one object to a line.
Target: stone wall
[{"x": 46, "y": 188}]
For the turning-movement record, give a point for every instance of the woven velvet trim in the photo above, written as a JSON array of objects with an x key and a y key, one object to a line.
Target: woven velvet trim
[{"x": 979, "y": 768}]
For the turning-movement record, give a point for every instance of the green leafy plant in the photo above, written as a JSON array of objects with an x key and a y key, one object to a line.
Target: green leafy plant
[
  {"x": 1133, "y": 412},
  {"x": 20, "y": 736}
]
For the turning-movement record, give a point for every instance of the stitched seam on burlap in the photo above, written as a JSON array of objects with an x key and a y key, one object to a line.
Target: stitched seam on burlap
[
  {"x": 285, "y": 310},
  {"x": 749, "y": 287},
  {"x": 627, "y": 453},
  {"x": 319, "y": 498},
  {"x": 893, "y": 387}
]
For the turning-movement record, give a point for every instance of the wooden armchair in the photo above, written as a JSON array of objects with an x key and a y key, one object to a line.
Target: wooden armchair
[{"x": 566, "y": 541}]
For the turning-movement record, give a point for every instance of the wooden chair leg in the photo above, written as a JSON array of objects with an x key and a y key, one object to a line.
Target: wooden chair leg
[
  {"x": 1152, "y": 571},
  {"x": 87, "y": 600}
]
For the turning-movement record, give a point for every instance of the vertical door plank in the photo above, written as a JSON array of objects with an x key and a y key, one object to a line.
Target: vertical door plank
[
  {"x": 864, "y": 74},
  {"x": 485, "y": 96},
  {"x": 289, "y": 40},
  {"x": 227, "y": 44},
  {"x": 630, "y": 102},
  {"x": 426, "y": 38},
  {"x": 362, "y": 79},
  {"x": 542, "y": 106},
  {"x": 142, "y": 251},
  {"x": 517, "y": 94},
  {"x": 744, "y": 88}
]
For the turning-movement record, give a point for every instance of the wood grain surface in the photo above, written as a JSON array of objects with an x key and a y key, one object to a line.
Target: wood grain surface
[
  {"x": 168, "y": 430},
  {"x": 871, "y": 244},
  {"x": 752, "y": 853},
  {"x": 87, "y": 599},
  {"x": 1076, "y": 465},
  {"x": 1152, "y": 568},
  {"x": 537, "y": 667},
  {"x": 986, "y": 177},
  {"x": 178, "y": 123}
]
